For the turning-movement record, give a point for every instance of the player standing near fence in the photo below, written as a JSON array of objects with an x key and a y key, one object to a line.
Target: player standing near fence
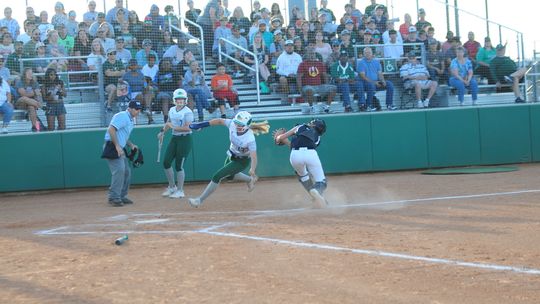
[
  {"x": 241, "y": 154},
  {"x": 180, "y": 117},
  {"x": 304, "y": 158}
]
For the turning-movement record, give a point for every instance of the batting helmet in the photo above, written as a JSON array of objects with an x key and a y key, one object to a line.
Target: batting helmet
[
  {"x": 180, "y": 93},
  {"x": 319, "y": 125},
  {"x": 243, "y": 119}
]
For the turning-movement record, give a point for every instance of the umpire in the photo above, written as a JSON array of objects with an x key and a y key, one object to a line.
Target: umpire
[{"x": 116, "y": 139}]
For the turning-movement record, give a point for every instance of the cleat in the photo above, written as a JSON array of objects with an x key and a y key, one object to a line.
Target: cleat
[
  {"x": 116, "y": 202},
  {"x": 195, "y": 202},
  {"x": 127, "y": 201},
  {"x": 319, "y": 200},
  {"x": 177, "y": 194},
  {"x": 251, "y": 183},
  {"x": 169, "y": 191}
]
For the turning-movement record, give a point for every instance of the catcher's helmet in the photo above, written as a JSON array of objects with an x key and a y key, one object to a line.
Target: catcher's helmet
[
  {"x": 180, "y": 93},
  {"x": 242, "y": 119},
  {"x": 319, "y": 125}
]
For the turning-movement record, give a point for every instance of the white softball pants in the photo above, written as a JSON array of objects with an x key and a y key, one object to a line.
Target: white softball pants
[{"x": 306, "y": 161}]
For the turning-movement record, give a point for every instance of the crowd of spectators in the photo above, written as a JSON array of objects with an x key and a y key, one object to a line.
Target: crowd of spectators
[{"x": 310, "y": 55}]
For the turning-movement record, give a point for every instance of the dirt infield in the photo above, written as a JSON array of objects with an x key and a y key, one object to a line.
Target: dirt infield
[{"x": 396, "y": 237}]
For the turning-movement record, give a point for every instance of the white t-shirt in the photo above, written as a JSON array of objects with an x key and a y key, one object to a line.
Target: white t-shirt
[
  {"x": 241, "y": 145},
  {"x": 179, "y": 118},
  {"x": 4, "y": 90},
  {"x": 150, "y": 72}
]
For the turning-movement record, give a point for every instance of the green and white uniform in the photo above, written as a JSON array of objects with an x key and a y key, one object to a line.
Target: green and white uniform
[{"x": 181, "y": 141}]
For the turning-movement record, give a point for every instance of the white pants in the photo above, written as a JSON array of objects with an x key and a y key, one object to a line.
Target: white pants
[{"x": 306, "y": 161}]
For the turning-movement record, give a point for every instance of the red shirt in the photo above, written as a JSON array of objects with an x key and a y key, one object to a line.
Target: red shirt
[{"x": 311, "y": 72}]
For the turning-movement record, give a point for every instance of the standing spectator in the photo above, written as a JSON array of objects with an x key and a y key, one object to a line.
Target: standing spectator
[
  {"x": 461, "y": 76},
  {"x": 13, "y": 60},
  {"x": 121, "y": 53},
  {"x": 6, "y": 47},
  {"x": 97, "y": 56},
  {"x": 313, "y": 78},
  {"x": 60, "y": 16},
  {"x": 31, "y": 16},
  {"x": 239, "y": 20},
  {"x": 504, "y": 71},
  {"x": 287, "y": 66},
  {"x": 297, "y": 17},
  {"x": 53, "y": 93},
  {"x": 168, "y": 79},
  {"x": 225, "y": 7},
  {"x": 261, "y": 55},
  {"x": 30, "y": 96},
  {"x": 275, "y": 12},
  {"x": 91, "y": 15},
  {"x": 435, "y": 62},
  {"x": 6, "y": 108},
  {"x": 195, "y": 85},
  {"x": 472, "y": 46},
  {"x": 483, "y": 59},
  {"x": 380, "y": 19},
  {"x": 322, "y": 47},
  {"x": 111, "y": 16},
  {"x": 142, "y": 55},
  {"x": 135, "y": 28},
  {"x": 330, "y": 17},
  {"x": 371, "y": 80},
  {"x": 405, "y": 26},
  {"x": 117, "y": 138},
  {"x": 386, "y": 34},
  {"x": 170, "y": 18},
  {"x": 370, "y": 9},
  {"x": 44, "y": 25},
  {"x": 192, "y": 14},
  {"x": 422, "y": 22},
  {"x": 256, "y": 10},
  {"x": 72, "y": 25},
  {"x": 12, "y": 25},
  {"x": 415, "y": 75},
  {"x": 222, "y": 86},
  {"x": 235, "y": 52},
  {"x": 221, "y": 32},
  {"x": 343, "y": 74},
  {"x": 112, "y": 71},
  {"x": 393, "y": 48}
]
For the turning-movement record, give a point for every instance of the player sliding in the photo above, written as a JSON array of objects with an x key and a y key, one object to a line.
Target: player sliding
[
  {"x": 179, "y": 147},
  {"x": 304, "y": 158},
  {"x": 242, "y": 152}
]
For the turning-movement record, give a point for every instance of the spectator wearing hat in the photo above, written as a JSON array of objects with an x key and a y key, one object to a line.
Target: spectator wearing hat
[
  {"x": 268, "y": 37},
  {"x": 142, "y": 55},
  {"x": 355, "y": 35},
  {"x": 411, "y": 38},
  {"x": 275, "y": 24},
  {"x": 435, "y": 62},
  {"x": 415, "y": 75},
  {"x": 113, "y": 70},
  {"x": 100, "y": 23},
  {"x": 222, "y": 31},
  {"x": 91, "y": 15},
  {"x": 121, "y": 53},
  {"x": 243, "y": 23},
  {"x": 372, "y": 79},
  {"x": 11, "y": 24},
  {"x": 101, "y": 34},
  {"x": 336, "y": 50},
  {"x": 372, "y": 8},
  {"x": 461, "y": 76},
  {"x": 72, "y": 26},
  {"x": 234, "y": 51},
  {"x": 149, "y": 32},
  {"x": 346, "y": 44},
  {"x": 505, "y": 71},
  {"x": 136, "y": 81},
  {"x": 192, "y": 14},
  {"x": 380, "y": 19},
  {"x": 276, "y": 49},
  {"x": 312, "y": 78},
  {"x": 483, "y": 59},
  {"x": 344, "y": 77},
  {"x": 393, "y": 48},
  {"x": 422, "y": 22},
  {"x": 287, "y": 66},
  {"x": 117, "y": 138},
  {"x": 111, "y": 16}
]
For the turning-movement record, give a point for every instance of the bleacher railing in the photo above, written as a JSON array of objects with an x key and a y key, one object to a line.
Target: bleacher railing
[
  {"x": 422, "y": 52},
  {"x": 200, "y": 40},
  {"x": 250, "y": 68}
]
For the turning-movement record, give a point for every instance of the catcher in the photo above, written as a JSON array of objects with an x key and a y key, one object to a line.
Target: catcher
[
  {"x": 242, "y": 152},
  {"x": 304, "y": 158}
]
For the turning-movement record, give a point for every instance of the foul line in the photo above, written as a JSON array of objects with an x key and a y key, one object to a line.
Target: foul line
[{"x": 495, "y": 267}]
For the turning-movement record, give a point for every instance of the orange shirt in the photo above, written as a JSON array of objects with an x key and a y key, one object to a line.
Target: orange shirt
[{"x": 218, "y": 80}]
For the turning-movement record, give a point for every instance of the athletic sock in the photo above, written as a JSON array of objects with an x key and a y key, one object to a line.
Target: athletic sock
[
  {"x": 209, "y": 190},
  {"x": 170, "y": 176},
  {"x": 180, "y": 177}
]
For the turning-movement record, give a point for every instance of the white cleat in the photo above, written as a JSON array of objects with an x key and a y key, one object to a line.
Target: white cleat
[
  {"x": 169, "y": 191},
  {"x": 251, "y": 183},
  {"x": 319, "y": 200},
  {"x": 177, "y": 194},
  {"x": 195, "y": 202}
]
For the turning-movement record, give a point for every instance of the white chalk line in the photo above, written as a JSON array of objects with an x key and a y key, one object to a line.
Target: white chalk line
[{"x": 379, "y": 253}]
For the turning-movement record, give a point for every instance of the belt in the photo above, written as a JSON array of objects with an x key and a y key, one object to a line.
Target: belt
[
  {"x": 303, "y": 148},
  {"x": 234, "y": 156},
  {"x": 182, "y": 134}
]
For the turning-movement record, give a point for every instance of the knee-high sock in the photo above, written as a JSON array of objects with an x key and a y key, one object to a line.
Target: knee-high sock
[
  {"x": 306, "y": 182},
  {"x": 170, "y": 176},
  {"x": 209, "y": 189},
  {"x": 180, "y": 177},
  {"x": 242, "y": 177}
]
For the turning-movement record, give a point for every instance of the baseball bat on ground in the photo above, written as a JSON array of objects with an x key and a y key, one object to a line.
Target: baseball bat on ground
[{"x": 121, "y": 240}]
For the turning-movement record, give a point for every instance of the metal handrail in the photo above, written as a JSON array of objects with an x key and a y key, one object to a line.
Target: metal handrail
[
  {"x": 256, "y": 69},
  {"x": 422, "y": 52},
  {"x": 534, "y": 75},
  {"x": 200, "y": 40}
]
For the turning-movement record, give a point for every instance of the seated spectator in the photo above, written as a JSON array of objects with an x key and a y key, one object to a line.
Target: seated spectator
[
  {"x": 97, "y": 54},
  {"x": 276, "y": 49},
  {"x": 378, "y": 51},
  {"x": 54, "y": 49},
  {"x": 411, "y": 38},
  {"x": 312, "y": 77},
  {"x": 275, "y": 24},
  {"x": 435, "y": 62},
  {"x": 100, "y": 23},
  {"x": 483, "y": 59},
  {"x": 472, "y": 46},
  {"x": 122, "y": 15},
  {"x": 53, "y": 93},
  {"x": 222, "y": 86},
  {"x": 136, "y": 80},
  {"x": 405, "y": 26},
  {"x": 372, "y": 79},
  {"x": 195, "y": 86},
  {"x": 386, "y": 34},
  {"x": 221, "y": 32},
  {"x": 44, "y": 25},
  {"x": 82, "y": 46},
  {"x": 168, "y": 80},
  {"x": 40, "y": 64},
  {"x": 304, "y": 34},
  {"x": 135, "y": 27},
  {"x": 505, "y": 71},
  {"x": 158, "y": 21},
  {"x": 64, "y": 39},
  {"x": 346, "y": 43},
  {"x": 6, "y": 108},
  {"x": 267, "y": 37},
  {"x": 336, "y": 53},
  {"x": 148, "y": 32},
  {"x": 235, "y": 52},
  {"x": 13, "y": 60},
  {"x": 298, "y": 46},
  {"x": 422, "y": 22},
  {"x": 176, "y": 52},
  {"x": 91, "y": 15},
  {"x": 461, "y": 76},
  {"x": 112, "y": 71},
  {"x": 343, "y": 74},
  {"x": 30, "y": 97},
  {"x": 242, "y": 23},
  {"x": 130, "y": 41},
  {"x": 164, "y": 44},
  {"x": 142, "y": 55},
  {"x": 150, "y": 69},
  {"x": 183, "y": 65},
  {"x": 121, "y": 53},
  {"x": 393, "y": 48},
  {"x": 415, "y": 75},
  {"x": 29, "y": 26},
  {"x": 6, "y": 47},
  {"x": 4, "y": 72},
  {"x": 322, "y": 47},
  {"x": 72, "y": 26},
  {"x": 29, "y": 48},
  {"x": 448, "y": 43},
  {"x": 11, "y": 24},
  {"x": 287, "y": 66},
  {"x": 262, "y": 58},
  {"x": 102, "y": 35}
]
